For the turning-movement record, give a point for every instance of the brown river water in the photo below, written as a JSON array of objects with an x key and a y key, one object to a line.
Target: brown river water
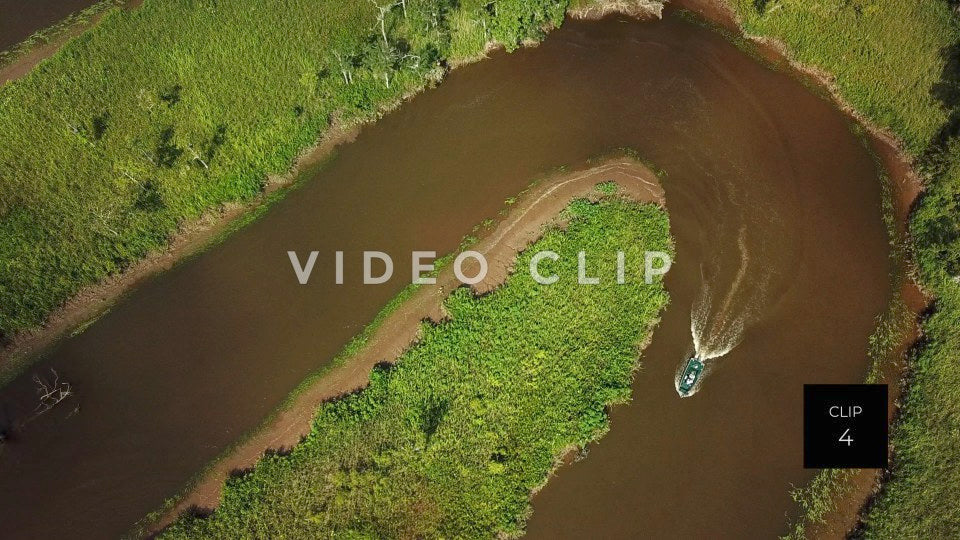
[
  {"x": 774, "y": 204},
  {"x": 21, "y": 18}
]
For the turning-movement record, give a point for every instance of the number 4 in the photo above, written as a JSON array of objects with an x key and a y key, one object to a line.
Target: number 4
[{"x": 846, "y": 438}]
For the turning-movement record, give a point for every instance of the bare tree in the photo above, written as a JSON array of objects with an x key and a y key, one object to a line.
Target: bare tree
[
  {"x": 196, "y": 156},
  {"x": 50, "y": 392},
  {"x": 104, "y": 216},
  {"x": 382, "y": 14},
  {"x": 413, "y": 58},
  {"x": 149, "y": 158},
  {"x": 383, "y": 61},
  {"x": 344, "y": 63}
]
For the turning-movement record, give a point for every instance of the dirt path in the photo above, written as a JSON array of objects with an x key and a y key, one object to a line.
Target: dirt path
[{"x": 523, "y": 224}]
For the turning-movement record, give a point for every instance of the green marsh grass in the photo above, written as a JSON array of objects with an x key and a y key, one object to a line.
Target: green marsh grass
[
  {"x": 160, "y": 114},
  {"x": 451, "y": 441}
]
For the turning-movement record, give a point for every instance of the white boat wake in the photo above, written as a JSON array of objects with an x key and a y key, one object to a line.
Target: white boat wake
[{"x": 717, "y": 323}]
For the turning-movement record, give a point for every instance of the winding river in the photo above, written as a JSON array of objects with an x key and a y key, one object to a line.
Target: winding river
[{"x": 774, "y": 204}]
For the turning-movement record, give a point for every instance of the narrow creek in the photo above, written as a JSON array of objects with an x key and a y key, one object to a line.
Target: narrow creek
[{"x": 760, "y": 172}]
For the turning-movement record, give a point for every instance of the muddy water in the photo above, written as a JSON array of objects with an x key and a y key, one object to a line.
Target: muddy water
[
  {"x": 19, "y": 19},
  {"x": 191, "y": 360}
]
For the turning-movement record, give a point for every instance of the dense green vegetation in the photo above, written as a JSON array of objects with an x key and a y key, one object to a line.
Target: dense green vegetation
[
  {"x": 898, "y": 62},
  {"x": 886, "y": 55},
  {"x": 162, "y": 113},
  {"x": 451, "y": 441}
]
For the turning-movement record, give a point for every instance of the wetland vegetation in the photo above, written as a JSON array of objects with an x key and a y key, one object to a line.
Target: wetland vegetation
[
  {"x": 110, "y": 145},
  {"x": 132, "y": 142},
  {"x": 452, "y": 440}
]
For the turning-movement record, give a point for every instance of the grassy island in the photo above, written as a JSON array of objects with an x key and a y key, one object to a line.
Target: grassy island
[{"x": 451, "y": 441}]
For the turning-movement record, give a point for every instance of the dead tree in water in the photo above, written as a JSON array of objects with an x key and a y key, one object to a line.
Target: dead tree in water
[{"x": 51, "y": 393}]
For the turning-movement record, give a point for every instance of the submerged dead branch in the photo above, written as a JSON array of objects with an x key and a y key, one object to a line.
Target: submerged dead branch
[{"x": 50, "y": 393}]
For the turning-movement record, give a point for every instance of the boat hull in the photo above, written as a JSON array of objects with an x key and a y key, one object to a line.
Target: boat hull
[{"x": 690, "y": 377}]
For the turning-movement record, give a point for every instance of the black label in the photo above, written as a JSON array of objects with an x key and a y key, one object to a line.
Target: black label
[{"x": 845, "y": 426}]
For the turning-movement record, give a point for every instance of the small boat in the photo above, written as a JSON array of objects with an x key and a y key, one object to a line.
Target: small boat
[{"x": 691, "y": 374}]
